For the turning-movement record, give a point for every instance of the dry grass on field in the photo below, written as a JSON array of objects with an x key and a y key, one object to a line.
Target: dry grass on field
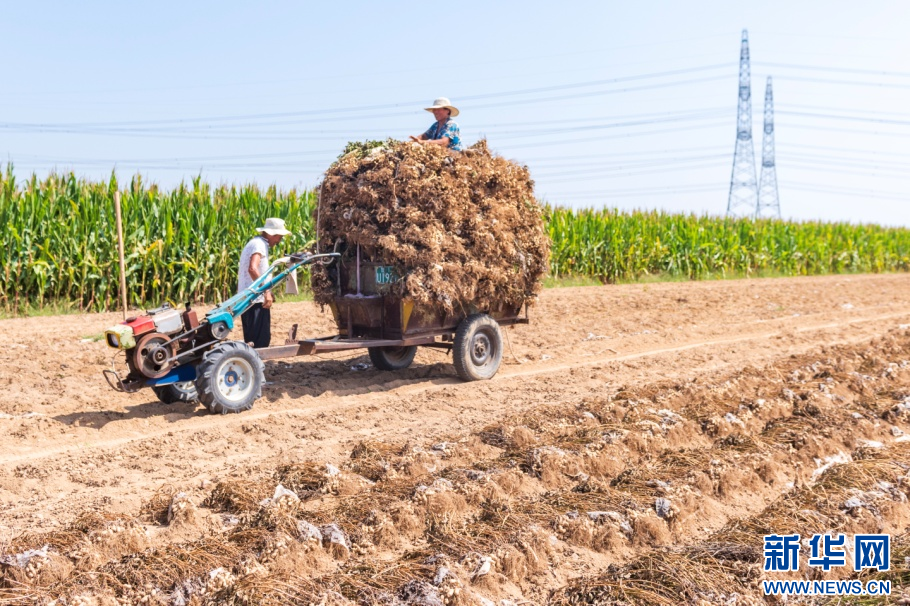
[{"x": 599, "y": 501}]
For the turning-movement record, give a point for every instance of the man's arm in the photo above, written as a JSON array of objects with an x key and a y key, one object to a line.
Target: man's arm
[
  {"x": 425, "y": 136},
  {"x": 255, "y": 274},
  {"x": 255, "y": 260},
  {"x": 444, "y": 141}
]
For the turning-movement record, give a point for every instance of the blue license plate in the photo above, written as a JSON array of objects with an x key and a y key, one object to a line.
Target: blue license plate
[{"x": 385, "y": 274}]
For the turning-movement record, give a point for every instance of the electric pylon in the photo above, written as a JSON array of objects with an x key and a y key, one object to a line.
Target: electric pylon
[
  {"x": 768, "y": 200},
  {"x": 743, "y": 198}
]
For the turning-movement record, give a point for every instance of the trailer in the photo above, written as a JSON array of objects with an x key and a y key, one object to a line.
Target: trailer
[
  {"x": 391, "y": 328},
  {"x": 184, "y": 360}
]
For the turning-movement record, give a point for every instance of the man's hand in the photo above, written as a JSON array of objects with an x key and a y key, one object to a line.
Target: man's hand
[{"x": 269, "y": 299}]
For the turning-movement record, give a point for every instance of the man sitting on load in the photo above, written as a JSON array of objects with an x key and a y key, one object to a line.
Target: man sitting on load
[{"x": 444, "y": 131}]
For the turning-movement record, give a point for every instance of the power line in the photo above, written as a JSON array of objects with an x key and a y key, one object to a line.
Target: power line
[
  {"x": 589, "y": 177},
  {"x": 596, "y": 127},
  {"x": 863, "y": 112},
  {"x": 408, "y": 104},
  {"x": 607, "y": 194},
  {"x": 790, "y": 186},
  {"x": 308, "y": 79},
  {"x": 814, "y": 167},
  {"x": 607, "y": 169},
  {"x": 589, "y": 120},
  {"x": 626, "y": 153},
  {"x": 668, "y": 188},
  {"x": 660, "y": 131},
  {"x": 844, "y": 118},
  {"x": 309, "y": 135},
  {"x": 840, "y": 191},
  {"x": 542, "y": 167},
  {"x": 546, "y": 161},
  {"x": 845, "y": 70},
  {"x": 844, "y": 82},
  {"x": 590, "y": 83},
  {"x": 852, "y": 161},
  {"x": 177, "y": 129},
  {"x": 870, "y": 152},
  {"x": 803, "y": 34},
  {"x": 797, "y": 161},
  {"x": 832, "y": 129}
]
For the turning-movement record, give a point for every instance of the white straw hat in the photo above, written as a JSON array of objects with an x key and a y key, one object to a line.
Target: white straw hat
[
  {"x": 443, "y": 103},
  {"x": 274, "y": 227}
]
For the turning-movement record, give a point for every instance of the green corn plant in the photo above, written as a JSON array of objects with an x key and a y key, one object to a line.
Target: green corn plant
[
  {"x": 183, "y": 244},
  {"x": 60, "y": 239},
  {"x": 621, "y": 246}
]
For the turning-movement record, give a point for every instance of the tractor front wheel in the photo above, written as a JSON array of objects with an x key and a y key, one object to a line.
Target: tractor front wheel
[
  {"x": 176, "y": 392},
  {"x": 230, "y": 378}
]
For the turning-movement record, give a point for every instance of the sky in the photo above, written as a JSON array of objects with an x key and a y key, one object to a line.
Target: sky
[{"x": 628, "y": 105}]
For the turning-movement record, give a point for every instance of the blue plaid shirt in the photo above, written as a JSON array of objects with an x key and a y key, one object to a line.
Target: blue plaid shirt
[{"x": 449, "y": 129}]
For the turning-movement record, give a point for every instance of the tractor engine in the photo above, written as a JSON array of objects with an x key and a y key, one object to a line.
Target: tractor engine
[{"x": 152, "y": 341}]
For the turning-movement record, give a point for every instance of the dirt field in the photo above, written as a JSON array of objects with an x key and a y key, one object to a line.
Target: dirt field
[{"x": 634, "y": 447}]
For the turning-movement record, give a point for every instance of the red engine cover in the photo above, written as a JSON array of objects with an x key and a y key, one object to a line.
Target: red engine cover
[{"x": 141, "y": 325}]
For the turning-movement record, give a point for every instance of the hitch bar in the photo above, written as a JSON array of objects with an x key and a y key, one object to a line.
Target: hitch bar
[{"x": 117, "y": 383}]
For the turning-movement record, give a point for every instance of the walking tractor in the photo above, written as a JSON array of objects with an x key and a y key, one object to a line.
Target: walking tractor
[{"x": 184, "y": 359}]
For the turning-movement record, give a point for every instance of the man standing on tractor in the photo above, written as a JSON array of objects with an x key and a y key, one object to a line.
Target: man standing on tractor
[
  {"x": 254, "y": 261},
  {"x": 444, "y": 131}
]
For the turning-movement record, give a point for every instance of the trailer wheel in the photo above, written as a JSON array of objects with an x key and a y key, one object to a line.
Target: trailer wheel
[
  {"x": 230, "y": 378},
  {"x": 176, "y": 392},
  {"x": 477, "y": 351},
  {"x": 392, "y": 358}
]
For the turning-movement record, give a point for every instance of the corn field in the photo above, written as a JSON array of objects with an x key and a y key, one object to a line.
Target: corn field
[
  {"x": 619, "y": 246},
  {"x": 60, "y": 239},
  {"x": 60, "y": 244}
]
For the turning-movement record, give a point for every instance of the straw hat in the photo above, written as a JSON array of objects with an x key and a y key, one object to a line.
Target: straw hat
[
  {"x": 443, "y": 103},
  {"x": 274, "y": 227}
]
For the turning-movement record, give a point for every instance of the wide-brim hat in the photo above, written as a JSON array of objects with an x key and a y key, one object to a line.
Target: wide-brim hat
[
  {"x": 274, "y": 227},
  {"x": 443, "y": 103}
]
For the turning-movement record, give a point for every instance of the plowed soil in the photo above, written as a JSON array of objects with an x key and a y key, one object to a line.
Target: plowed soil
[{"x": 635, "y": 445}]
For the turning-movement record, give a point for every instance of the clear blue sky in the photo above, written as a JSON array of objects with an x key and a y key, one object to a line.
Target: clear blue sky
[{"x": 271, "y": 91}]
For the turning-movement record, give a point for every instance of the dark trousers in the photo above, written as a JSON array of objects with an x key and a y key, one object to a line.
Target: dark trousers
[{"x": 257, "y": 325}]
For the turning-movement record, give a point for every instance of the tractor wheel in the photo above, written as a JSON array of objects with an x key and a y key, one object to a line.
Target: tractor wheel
[
  {"x": 392, "y": 358},
  {"x": 176, "y": 392},
  {"x": 477, "y": 351},
  {"x": 230, "y": 378}
]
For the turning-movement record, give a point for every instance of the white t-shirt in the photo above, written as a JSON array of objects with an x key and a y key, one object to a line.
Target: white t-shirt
[{"x": 256, "y": 245}]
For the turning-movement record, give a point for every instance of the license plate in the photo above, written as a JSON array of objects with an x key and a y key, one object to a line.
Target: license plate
[{"x": 385, "y": 274}]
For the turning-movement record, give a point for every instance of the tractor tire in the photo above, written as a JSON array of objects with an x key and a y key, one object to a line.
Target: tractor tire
[
  {"x": 176, "y": 392},
  {"x": 392, "y": 358},
  {"x": 477, "y": 351},
  {"x": 230, "y": 378}
]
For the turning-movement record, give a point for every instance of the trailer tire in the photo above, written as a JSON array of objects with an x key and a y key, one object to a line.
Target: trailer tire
[
  {"x": 477, "y": 351},
  {"x": 230, "y": 378},
  {"x": 176, "y": 392},
  {"x": 392, "y": 358}
]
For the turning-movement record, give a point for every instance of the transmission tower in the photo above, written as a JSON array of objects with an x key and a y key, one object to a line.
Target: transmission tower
[
  {"x": 768, "y": 201},
  {"x": 743, "y": 198}
]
